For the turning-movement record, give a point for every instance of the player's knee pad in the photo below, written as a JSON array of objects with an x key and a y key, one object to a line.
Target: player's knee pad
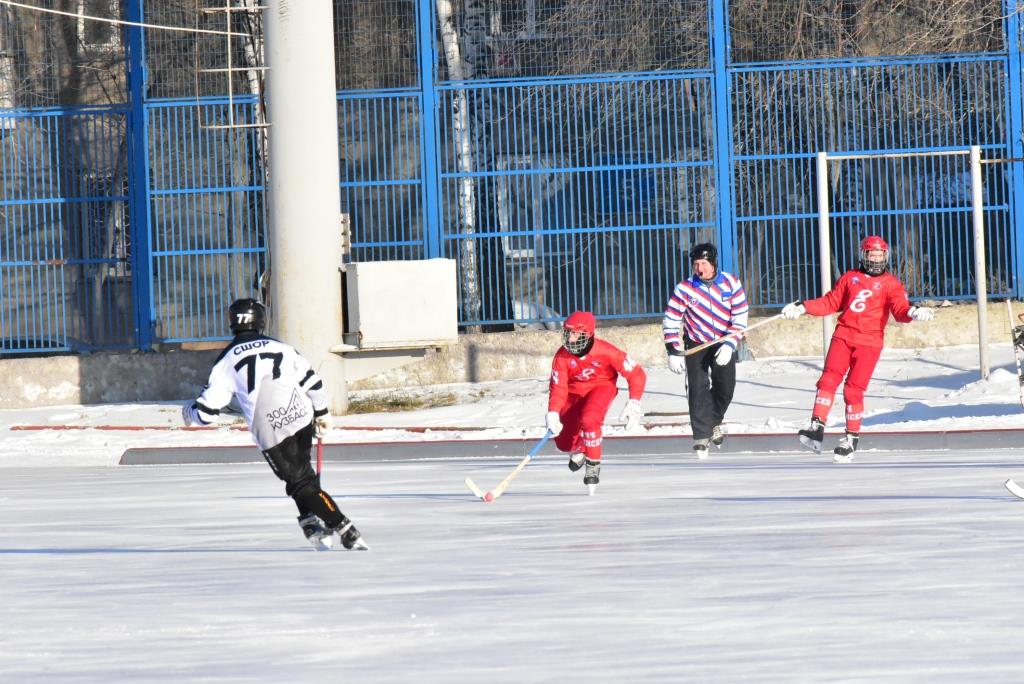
[
  {"x": 566, "y": 441},
  {"x": 829, "y": 381},
  {"x": 297, "y": 475},
  {"x": 853, "y": 394},
  {"x": 309, "y": 496}
]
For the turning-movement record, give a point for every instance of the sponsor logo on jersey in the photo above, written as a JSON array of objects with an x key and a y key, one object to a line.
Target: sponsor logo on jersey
[
  {"x": 286, "y": 415},
  {"x": 855, "y": 280}
]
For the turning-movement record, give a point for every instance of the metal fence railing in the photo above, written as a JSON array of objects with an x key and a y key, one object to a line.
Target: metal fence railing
[
  {"x": 565, "y": 152},
  {"x": 583, "y": 194},
  {"x": 789, "y": 113},
  {"x": 64, "y": 232},
  {"x": 206, "y": 217}
]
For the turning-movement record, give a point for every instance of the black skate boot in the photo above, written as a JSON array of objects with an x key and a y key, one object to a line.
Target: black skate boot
[
  {"x": 592, "y": 476},
  {"x": 813, "y": 435},
  {"x": 349, "y": 535},
  {"x": 844, "y": 450},
  {"x": 316, "y": 534},
  {"x": 576, "y": 461},
  {"x": 717, "y": 436},
  {"x": 700, "y": 448}
]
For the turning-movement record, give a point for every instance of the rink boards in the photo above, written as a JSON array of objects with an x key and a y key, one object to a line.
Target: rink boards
[{"x": 661, "y": 445}]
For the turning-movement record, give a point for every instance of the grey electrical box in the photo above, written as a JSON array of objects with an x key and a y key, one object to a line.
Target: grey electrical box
[{"x": 401, "y": 304}]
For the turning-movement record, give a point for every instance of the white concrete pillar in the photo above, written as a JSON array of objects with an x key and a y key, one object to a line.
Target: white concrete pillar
[{"x": 303, "y": 193}]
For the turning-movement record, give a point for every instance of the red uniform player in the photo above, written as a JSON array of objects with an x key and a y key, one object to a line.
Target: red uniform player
[
  {"x": 583, "y": 376},
  {"x": 864, "y": 297}
]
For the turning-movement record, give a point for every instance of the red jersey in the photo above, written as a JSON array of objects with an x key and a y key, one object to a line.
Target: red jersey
[
  {"x": 865, "y": 302},
  {"x": 601, "y": 366}
]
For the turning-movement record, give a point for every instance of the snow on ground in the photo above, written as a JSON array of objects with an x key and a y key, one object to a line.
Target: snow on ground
[{"x": 935, "y": 389}]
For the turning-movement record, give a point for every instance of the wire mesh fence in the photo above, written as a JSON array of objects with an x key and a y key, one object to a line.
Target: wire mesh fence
[
  {"x": 65, "y": 233},
  {"x": 565, "y": 152},
  {"x": 836, "y": 29},
  {"x": 49, "y": 60}
]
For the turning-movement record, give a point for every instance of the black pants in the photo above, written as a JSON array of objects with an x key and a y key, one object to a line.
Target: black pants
[
  {"x": 710, "y": 389},
  {"x": 290, "y": 461}
]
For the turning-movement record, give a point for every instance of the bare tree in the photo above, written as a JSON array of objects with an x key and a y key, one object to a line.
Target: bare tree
[{"x": 461, "y": 70}]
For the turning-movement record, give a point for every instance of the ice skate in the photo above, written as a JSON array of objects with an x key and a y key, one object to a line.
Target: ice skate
[
  {"x": 700, "y": 448},
  {"x": 350, "y": 537},
  {"x": 316, "y": 534},
  {"x": 813, "y": 435},
  {"x": 592, "y": 475},
  {"x": 844, "y": 450},
  {"x": 576, "y": 461},
  {"x": 717, "y": 436}
]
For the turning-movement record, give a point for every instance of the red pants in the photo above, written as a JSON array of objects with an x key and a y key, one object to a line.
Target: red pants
[
  {"x": 857, "y": 364},
  {"x": 582, "y": 418}
]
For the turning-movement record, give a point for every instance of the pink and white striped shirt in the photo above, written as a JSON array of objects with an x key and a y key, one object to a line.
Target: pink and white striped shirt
[{"x": 705, "y": 311}]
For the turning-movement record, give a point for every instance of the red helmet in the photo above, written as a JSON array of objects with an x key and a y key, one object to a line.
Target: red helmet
[
  {"x": 873, "y": 242},
  {"x": 875, "y": 266},
  {"x": 583, "y": 324}
]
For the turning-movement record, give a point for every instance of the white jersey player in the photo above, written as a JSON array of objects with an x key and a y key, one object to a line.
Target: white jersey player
[{"x": 284, "y": 403}]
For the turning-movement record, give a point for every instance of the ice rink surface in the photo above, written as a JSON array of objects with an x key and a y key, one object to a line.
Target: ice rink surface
[{"x": 901, "y": 567}]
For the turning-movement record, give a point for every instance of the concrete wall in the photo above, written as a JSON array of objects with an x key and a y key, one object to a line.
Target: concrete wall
[
  {"x": 103, "y": 378},
  {"x": 178, "y": 375},
  {"x": 501, "y": 356}
]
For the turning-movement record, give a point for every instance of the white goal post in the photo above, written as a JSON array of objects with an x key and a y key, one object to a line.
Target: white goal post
[{"x": 978, "y": 221}]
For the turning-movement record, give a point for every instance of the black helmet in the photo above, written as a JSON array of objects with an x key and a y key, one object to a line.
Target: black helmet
[
  {"x": 247, "y": 315},
  {"x": 704, "y": 250}
]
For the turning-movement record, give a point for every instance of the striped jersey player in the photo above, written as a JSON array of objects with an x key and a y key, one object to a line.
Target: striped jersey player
[{"x": 705, "y": 307}]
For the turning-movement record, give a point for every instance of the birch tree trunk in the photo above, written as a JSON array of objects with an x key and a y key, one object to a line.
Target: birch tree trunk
[
  {"x": 252, "y": 54},
  {"x": 98, "y": 271},
  {"x": 253, "y": 51},
  {"x": 6, "y": 67},
  {"x": 458, "y": 70}
]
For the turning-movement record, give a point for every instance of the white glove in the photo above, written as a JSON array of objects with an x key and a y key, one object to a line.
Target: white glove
[
  {"x": 321, "y": 424},
  {"x": 921, "y": 313},
  {"x": 793, "y": 310},
  {"x": 723, "y": 355},
  {"x": 189, "y": 415},
  {"x": 632, "y": 414},
  {"x": 677, "y": 364},
  {"x": 553, "y": 422}
]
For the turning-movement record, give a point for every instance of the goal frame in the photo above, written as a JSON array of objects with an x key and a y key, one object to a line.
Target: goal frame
[{"x": 978, "y": 223}]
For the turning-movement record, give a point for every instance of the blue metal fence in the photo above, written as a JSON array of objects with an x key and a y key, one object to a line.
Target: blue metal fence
[
  {"x": 206, "y": 216},
  {"x": 921, "y": 205},
  {"x": 64, "y": 233},
  {"x": 381, "y": 179},
  {"x": 556, "y": 183},
  {"x": 584, "y": 192}
]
